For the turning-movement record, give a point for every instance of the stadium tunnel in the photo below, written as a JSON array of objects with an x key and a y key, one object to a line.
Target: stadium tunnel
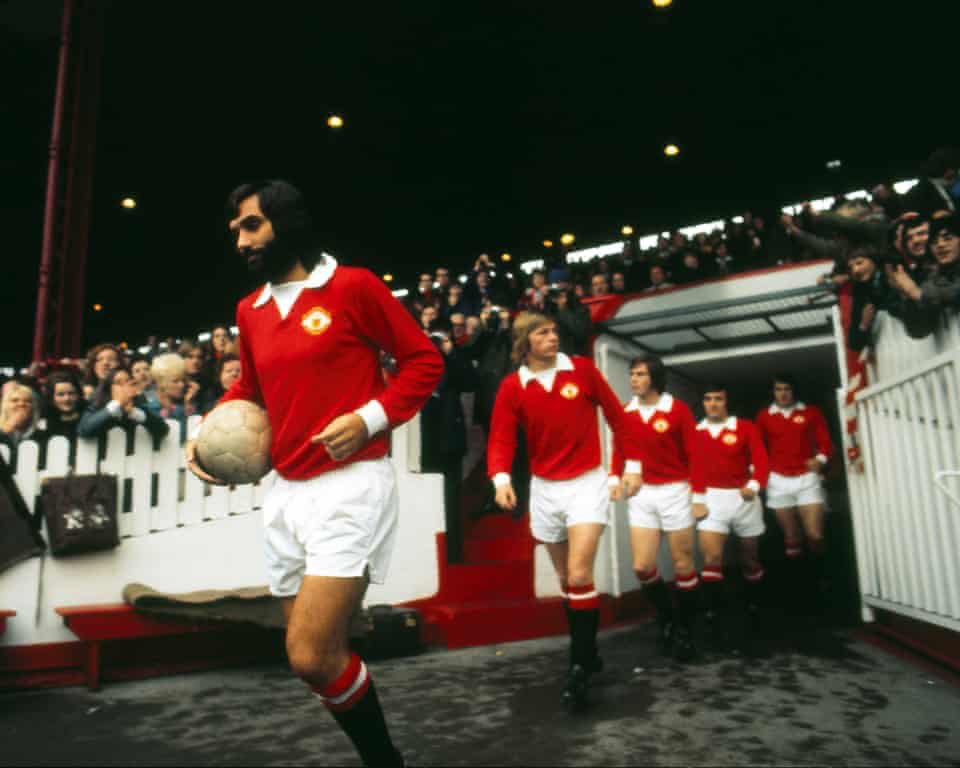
[{"x": 741, "y": 342}]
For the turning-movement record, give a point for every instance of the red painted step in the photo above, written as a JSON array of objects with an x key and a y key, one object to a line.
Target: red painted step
[
  {"x": 493, "y": 526},
  {"x": 501, "y": 548},
  {"x": 510, "y": 580}
]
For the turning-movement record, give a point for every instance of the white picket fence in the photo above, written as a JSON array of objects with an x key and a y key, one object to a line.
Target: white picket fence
[
  {"x": 906, "y": 505},
  {"x": 181, "y": 499}
]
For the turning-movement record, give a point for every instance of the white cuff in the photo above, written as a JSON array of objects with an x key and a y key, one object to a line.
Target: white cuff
[
  {"x": 821, "y": 458},
  {"x": 613, "y": 481},
  {"x": 138, "y": 415},
  {"x": 754, "y": 486},
  {"x": 195, "y": 432},
  {"x": 374, "y": 417},
  {"x": 501, "y": 479},
  {"x": 633, "y": 467},
  {"x": 116, "y": 410},
  {"x": 699, "y": 498}
]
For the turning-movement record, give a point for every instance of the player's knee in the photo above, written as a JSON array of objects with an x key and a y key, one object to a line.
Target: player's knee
[
  {"x": 318, "y": 665},
  {"x": 645, "y": 565},
  {"x": 579, "y": 576}
]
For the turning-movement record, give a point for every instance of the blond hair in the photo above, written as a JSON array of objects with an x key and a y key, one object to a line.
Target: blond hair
[
  {"x": 166, "y": 367},
  {"x": 525, "y": 324},
  {"x": 9, "y": 392}
]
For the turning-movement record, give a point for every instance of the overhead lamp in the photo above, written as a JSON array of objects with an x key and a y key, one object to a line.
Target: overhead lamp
[
  {"x": 567, "y": 239},
  {"x": 548, "y": 243},
  {"x": 626, "y": 230},
  {"x": 662, "y": 3},
  {"x": 335, "y": 121},
  {"x": 129, "y": 203},
  {"x": 505, "y": 257},
  {"x": 388, "y": 278},
  {"x": 671, "y": 150}
]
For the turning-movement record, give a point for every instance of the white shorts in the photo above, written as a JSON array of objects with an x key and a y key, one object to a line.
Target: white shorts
[
  {"x": 664, "y": 507},
  {"x": 729, "y": 512},
  {"x": 339, "y": 523},
  {"x": 785, "y": 491},
  {"x": 555, "y": 505}
]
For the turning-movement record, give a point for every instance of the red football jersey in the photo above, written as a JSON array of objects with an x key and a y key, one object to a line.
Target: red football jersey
[
  {"x": 660, "y": 437},
  {"x": 560, "y": 423},
  {"x": 793, "y": 436},
  {"x": 722, "y": 458},
  {"x": 322, "y": 360}
]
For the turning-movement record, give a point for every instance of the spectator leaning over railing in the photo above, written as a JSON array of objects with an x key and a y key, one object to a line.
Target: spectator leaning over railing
[
  {"x": 62, "y": 409},
  {"x": 939, "y": 291},
  {"x": 658, "y": 279},
  {"x": 871, "y": 293},
  {"x": 573, "y": 321},
  {"x": 102, "y": 359},
  {"x": 140, "y": 370},
  {"x": 18, "y": 416},
  {"x": 228, "y": 371},
  {"x": 177, "y": 395},
  {"x": 116, "y": 402}
]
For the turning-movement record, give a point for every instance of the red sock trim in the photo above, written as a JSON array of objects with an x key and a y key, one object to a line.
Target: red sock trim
[
  {"x": 793, "y": 548},
  {"x": 712, "y": 573},
  {"x": 648, "y": 577},
  {"x": 687, "y": 581},
  {"x": 754, "y": 576},
  {"x": 565, "y": 590},
  {"x": 344, "y": 692},
  {"x": 585, "y": 598}
]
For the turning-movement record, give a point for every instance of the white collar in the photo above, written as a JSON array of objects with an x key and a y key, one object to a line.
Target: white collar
[
  {"x": 774, "y": 408},
  {"x": 664, "y": 404},
  {"x": 545, "y": 377},
  {"x": 715, "y": 428},
  {"x": 318, "y": 278}
]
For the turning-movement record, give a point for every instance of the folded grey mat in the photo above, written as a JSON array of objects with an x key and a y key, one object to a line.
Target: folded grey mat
[{"x": 254, "y": 605}]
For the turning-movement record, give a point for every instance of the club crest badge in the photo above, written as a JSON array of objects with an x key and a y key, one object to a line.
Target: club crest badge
[
  {"x": 661, "y": 425},
  {"x": 570, "y": 390},
  {"x": 315, "y": 321},
  {"x": 798, "y": 419},
  {"x": 729, "y": 439}
]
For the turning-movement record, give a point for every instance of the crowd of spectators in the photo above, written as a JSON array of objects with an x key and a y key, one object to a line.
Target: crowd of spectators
[
  {"x": 112, "y": 386},
  {"x": 899, "y": 254}
]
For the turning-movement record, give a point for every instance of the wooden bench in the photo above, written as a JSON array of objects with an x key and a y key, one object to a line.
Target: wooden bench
[
  {"x": 4, "y": 615},
  {"x": 94, "y": 624}
]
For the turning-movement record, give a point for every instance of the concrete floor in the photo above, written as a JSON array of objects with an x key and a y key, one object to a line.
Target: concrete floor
[{"x": 832, "y": 700}]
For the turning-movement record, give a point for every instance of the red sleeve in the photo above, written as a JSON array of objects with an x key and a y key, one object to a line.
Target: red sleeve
[
  {"x": 758, "y": 455},
  {"x": 502, "y": 443},
  {"x": 390, "y": 327},
  {"x": 247, "y": 387},
  {"x": 698, "y": 475},
  {"x": 605, "y": 397},
  {"x": 688, "y": 430},
  {"x": 821, "y": 433},
  {"x": 759, "y": 424},
  {"x": 617, "y": 462}
]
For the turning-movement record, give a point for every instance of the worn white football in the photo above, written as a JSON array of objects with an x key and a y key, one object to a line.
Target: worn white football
[{"x": 234, "y": 442}]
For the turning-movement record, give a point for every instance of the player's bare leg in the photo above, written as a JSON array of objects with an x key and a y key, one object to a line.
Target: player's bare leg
[
  {"x": 789, "y": 522},
  {"x": 584, "y": 607},
  {"x": 756, "y": 628},
  {"x": 686, "y": 581},
  {"x": 318, "y": 626},
  {"x": 645, "y": 545},
  {"x": 714, "y": 588},
  {"x": 812, "y": 518}
]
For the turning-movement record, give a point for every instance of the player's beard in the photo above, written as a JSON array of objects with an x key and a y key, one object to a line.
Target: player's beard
[{"x": 270, "y": 262}]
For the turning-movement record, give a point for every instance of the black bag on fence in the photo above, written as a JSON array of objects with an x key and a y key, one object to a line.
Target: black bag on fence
[
  {"x": 18, "y": 539},
  {"x": 392, "y": 631},
  {"x": 81, "y": 513}
]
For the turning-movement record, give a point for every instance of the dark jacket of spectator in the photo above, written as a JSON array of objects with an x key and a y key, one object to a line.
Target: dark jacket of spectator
[
  {"x": 105, "y": 412},
  {"x": 573, "y": 323}
]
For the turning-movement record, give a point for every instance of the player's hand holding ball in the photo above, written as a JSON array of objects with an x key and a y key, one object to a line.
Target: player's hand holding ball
[
  {"x": 506, "y": 498},
  {"x": 343, "y": 436},
  {"x": 190, "y": 450}
]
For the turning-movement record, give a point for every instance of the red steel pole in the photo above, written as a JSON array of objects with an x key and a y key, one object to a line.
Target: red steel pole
[{"x": 53, "y": 182}]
